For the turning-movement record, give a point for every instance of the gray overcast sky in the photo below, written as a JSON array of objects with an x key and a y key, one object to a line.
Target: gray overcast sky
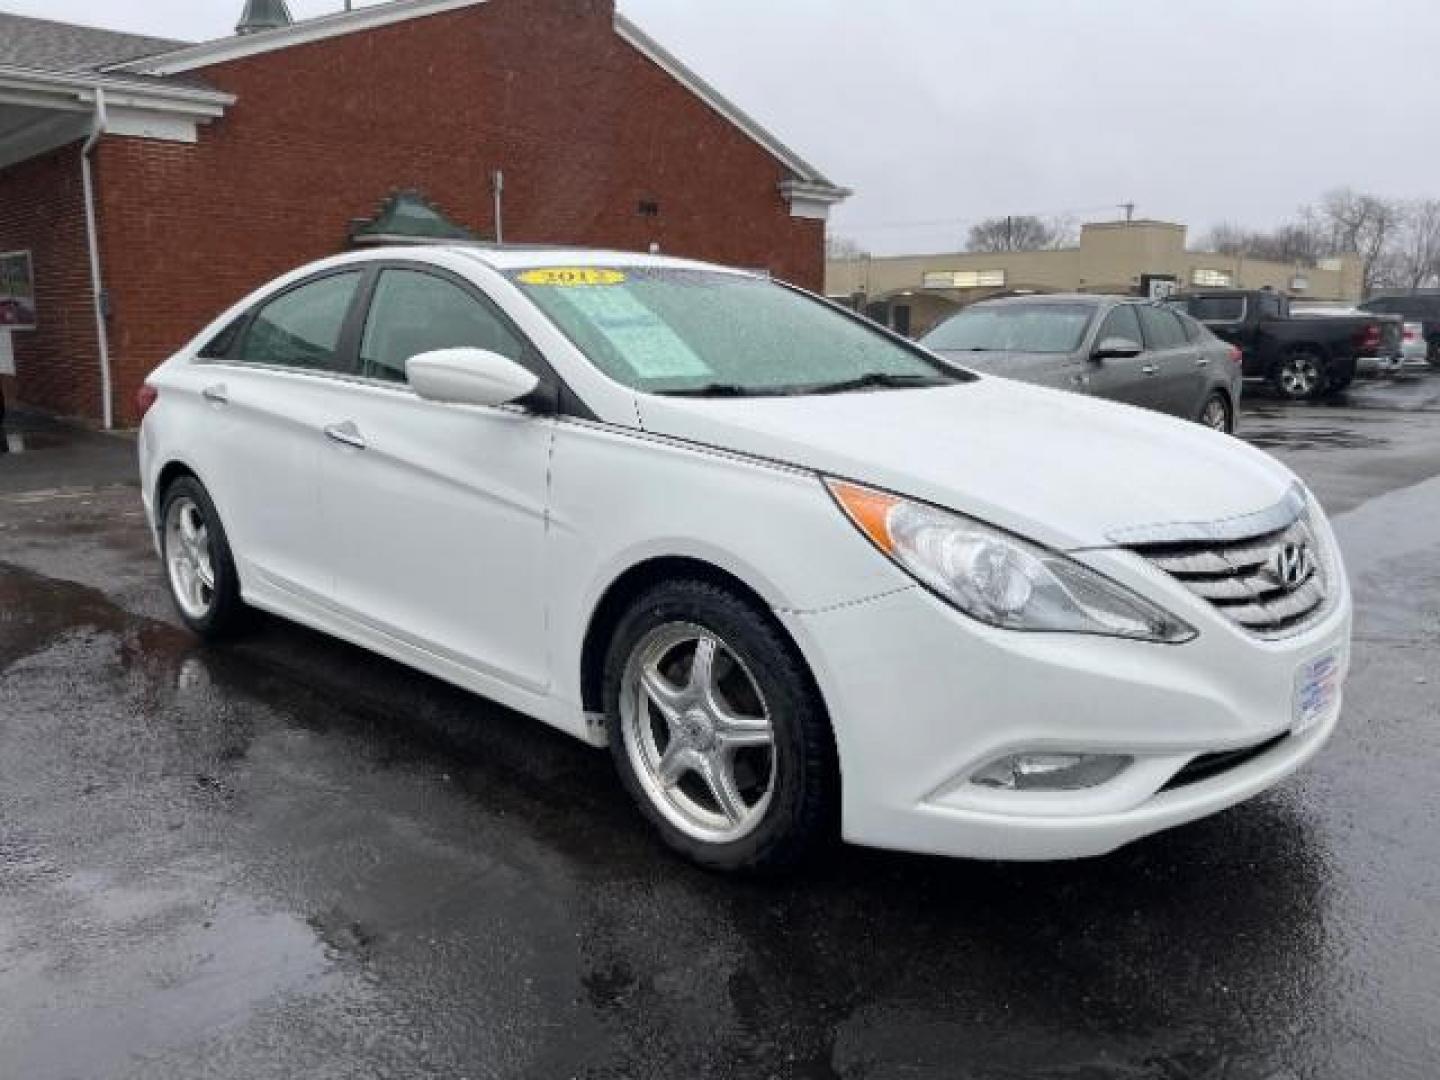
[{"x": 940, "y": 112}]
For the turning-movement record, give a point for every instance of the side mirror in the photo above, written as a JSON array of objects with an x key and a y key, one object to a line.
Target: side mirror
[
  {"x": 469, "y": 377},
  {"x": 1117, "y": 348}
]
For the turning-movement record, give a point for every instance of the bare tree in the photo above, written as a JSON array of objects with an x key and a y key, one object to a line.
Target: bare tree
[
  {"x": 1297, "y": 242},
  {"x": 839, "y": 247},
  {"x": 1227, "y": 238},
  {"x": 1415, "y": 262},
  {"x": 1363, "y": 226},
  {"x": 1017, "y": 232}
]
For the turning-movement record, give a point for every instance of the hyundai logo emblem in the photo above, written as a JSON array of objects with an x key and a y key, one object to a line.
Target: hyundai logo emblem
[{"x": 1291, "y": 566}]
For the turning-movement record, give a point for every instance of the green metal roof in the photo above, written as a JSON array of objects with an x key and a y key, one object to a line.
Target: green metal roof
[
  {"x": 408, "y": 215},
  {"x": 263, "y": 15}
]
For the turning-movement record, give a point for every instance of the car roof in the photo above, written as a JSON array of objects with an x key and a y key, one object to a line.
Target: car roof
[
  {"x": 1095, "y": 299},
  {"x": 531, "y": 256},
  {"x": 521, "y": 257}
]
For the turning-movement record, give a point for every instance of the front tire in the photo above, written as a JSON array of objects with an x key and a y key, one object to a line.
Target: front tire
[
  {"x": 717, "y": 731},
  {"x": 198, "y": 564}
]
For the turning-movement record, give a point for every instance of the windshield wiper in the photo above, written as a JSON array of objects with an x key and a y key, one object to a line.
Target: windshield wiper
[
  {"x": 725, "y": 390},
  {"x": 879, "y": 380}
]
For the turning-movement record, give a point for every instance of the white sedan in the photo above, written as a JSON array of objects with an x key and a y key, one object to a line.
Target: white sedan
[{"x": 803, "y": 578}]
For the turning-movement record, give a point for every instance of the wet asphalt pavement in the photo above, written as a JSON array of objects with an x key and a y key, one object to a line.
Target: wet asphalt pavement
[{"x": 288, "y": 858}]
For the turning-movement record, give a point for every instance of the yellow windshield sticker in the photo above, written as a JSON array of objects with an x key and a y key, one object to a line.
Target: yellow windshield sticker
[{"x": 572, "y": 277}]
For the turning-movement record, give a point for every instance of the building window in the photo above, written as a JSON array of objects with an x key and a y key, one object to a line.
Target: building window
[
  {"x": 1212, "y": 279},
  {"x": 965, "y": 279}
]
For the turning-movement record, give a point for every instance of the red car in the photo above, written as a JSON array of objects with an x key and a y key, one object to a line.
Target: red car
[{"x": 15, "y": 313}]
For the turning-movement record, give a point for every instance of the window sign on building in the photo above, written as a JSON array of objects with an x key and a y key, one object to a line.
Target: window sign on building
[
  {"x": 17, "y": 291},
  {"x": 965, "y": 279},
  {"x": 1212, "y": 279}
]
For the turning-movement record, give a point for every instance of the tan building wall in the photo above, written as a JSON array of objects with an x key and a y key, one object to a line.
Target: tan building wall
[{"x": 913, "y": 292}]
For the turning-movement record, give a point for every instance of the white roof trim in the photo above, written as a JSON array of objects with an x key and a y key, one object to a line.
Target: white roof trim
[
  {"x": 671, "y": 64},
  {"x": 222, "y": 50},
  {"x": 48, "y": 89}
]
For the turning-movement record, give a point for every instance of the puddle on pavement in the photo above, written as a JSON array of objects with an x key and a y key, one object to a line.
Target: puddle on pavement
[{"x": 1314, "y": 438}]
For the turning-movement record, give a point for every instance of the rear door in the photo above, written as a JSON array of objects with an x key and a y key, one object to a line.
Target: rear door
[
  {"x": 268, "y": 392},
  {"x": 1121, "y": 378},
  {"x": 1173, "y": 370}
]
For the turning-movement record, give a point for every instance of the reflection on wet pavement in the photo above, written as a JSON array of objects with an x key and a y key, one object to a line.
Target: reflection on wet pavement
[{"x": 1297, "y": 437}]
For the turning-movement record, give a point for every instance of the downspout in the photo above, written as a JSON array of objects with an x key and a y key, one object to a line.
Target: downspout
[{"x": 97, "y": 284}]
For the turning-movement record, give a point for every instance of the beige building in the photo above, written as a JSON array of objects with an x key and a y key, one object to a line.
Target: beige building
[{"x": 913, "y": 292}]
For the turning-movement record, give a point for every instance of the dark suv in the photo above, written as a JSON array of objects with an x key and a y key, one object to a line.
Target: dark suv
[{"x": 1423, "y": 308}]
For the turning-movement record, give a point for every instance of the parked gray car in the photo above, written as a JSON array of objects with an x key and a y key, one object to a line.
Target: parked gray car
[{"x": 1113, "y": 347}]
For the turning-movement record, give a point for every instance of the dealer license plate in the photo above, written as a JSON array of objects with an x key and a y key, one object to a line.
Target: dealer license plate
[{"x": 1317, "y": 690}]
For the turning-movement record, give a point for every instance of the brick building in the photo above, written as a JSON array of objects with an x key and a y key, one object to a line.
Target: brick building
[{"x": 153, "y": 183}]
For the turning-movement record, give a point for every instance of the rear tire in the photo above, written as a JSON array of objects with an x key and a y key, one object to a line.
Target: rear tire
[
  {"x": 1217, "y": 414},
  {"x": 717, "y": 730},
  {"x": 199, "y": 567},
  {"x": 1301, "y": 375}
]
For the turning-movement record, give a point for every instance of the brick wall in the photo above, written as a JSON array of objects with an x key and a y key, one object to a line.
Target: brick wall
[
  {"x": 42, "y": 210},
  {"x": 584, "y": 127}
]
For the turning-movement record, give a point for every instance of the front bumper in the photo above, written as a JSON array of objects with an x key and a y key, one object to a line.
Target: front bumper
[{"x": 921, "y": 696}]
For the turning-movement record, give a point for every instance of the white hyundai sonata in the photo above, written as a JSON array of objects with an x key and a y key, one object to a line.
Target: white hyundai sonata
[{"x": 802, "y": 577}]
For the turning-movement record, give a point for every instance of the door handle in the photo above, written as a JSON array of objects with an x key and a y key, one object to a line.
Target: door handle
[
  {"x": 346, "y": 434},
  {"x": 1150, "y": 369},
  {"x": 1202, "y": 361},
  {"x": 216, "y": 395}
]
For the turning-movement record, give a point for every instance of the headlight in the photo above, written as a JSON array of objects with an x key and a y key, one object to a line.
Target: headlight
[{"x": 1000, "y": 579}]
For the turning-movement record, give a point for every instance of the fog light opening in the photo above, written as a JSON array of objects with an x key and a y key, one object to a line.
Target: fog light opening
[{"x": 1052, "y": 772}]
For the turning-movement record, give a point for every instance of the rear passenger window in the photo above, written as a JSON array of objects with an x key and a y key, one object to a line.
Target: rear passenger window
[
  {"x": 218, "y": 347},
  {"x": 302, "y": 328},
  {"x": 415, "y": 312},
  {"x": 1162, "y": 328},
  {"x": 1122, "y": 323}
]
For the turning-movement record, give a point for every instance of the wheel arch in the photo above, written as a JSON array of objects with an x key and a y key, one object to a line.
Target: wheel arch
[
  {"x": 1303, "y": 347},
  {"x": 622, "y": 591},
  {"x": 170, "y": 472}
]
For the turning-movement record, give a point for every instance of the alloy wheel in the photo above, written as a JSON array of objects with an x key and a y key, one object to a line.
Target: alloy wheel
[
  {"x": 188, "y": 557},
  {"x": 1299, "y": 375},
  {"x": 1216, "y": 415},
  {"x": 698, "y": 732}
]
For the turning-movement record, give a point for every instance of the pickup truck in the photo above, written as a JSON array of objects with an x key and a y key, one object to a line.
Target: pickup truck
[{"x": 1300, "y": 356}]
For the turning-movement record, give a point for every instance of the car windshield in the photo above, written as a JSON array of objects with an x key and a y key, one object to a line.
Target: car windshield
[
  {"x": 1023, "y": 328},
  {"x": 692, "y": 331},
  {"x": 1213, "y": 309}
]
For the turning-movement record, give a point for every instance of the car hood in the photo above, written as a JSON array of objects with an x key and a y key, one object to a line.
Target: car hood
[
  {"x": 1062, "y": 469},
  {"x": 997, "y": 362}
]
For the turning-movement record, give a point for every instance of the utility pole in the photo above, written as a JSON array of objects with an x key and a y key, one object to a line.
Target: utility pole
[{"x": 1129, "y": 208}]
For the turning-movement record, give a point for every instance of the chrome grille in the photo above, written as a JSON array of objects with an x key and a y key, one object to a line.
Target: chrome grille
[{"x": 1240, "y": 577}]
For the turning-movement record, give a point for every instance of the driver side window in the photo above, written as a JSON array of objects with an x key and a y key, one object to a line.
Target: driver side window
[
  {"x": 1122, "y": 323},
  {"x": 415, "y": 312}
]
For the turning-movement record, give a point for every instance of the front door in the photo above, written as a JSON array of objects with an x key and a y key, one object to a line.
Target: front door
[
  {"x": 437, "y": 513},
  {"x": 1122, "y": 378}
]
